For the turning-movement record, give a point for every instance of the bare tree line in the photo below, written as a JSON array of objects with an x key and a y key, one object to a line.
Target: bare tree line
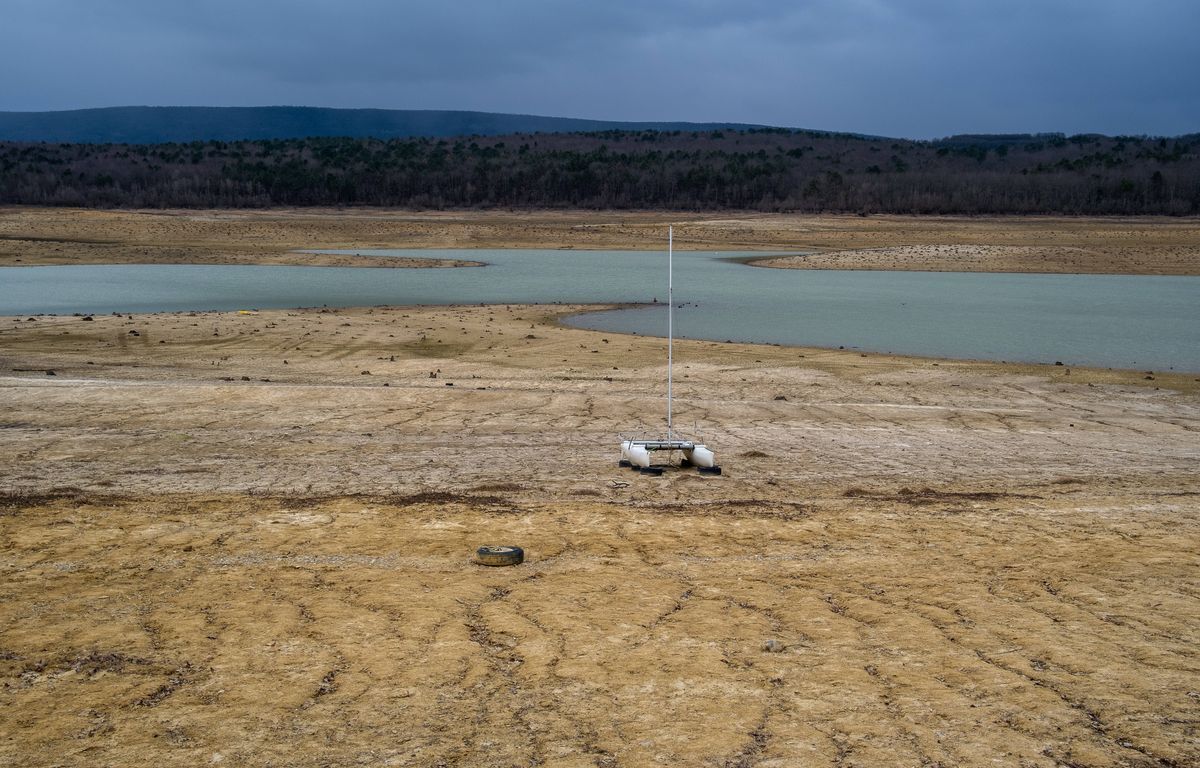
[{"x": 763, "y": 169}]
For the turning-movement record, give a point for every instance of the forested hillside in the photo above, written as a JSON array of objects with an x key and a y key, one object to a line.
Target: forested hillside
[
  {"x": 754, "y": 169},
  {"x": 157, "y": 125}
]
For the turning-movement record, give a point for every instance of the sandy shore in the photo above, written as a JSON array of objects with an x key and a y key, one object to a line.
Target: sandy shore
[
  {"x": 988, "y": 244},
  {"x": 246, "y": 539}
]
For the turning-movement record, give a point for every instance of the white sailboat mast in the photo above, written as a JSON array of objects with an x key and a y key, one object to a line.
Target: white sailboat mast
[
  {"x": 670, "y": 323},
  {"x": 636, "y": 452}
]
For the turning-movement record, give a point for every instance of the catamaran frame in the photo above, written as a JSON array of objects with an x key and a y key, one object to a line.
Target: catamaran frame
[{"x": 635, "y": 452}]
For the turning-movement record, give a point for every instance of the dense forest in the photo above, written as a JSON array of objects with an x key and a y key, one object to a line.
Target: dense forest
[{"x": 749, "y": 169}]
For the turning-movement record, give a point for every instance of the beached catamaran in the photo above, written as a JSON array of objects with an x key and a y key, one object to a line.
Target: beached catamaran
[{"x": 635, "y": 452}]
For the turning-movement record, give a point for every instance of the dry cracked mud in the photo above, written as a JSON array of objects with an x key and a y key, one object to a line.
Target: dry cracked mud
[{"x": 246, "y": 540}]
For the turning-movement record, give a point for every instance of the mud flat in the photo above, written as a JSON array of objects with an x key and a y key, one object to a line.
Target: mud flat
[
  {"x": 246, "y": 538},
  {"x": 1097, "y": 258},
  {"x": 31, "y": 236}
]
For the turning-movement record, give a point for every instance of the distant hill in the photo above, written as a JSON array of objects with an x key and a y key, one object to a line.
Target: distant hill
[{"x": 158, "y": 125}]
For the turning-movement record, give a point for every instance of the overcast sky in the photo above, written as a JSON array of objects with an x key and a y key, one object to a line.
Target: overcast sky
[{"x": 911, "y": 68}]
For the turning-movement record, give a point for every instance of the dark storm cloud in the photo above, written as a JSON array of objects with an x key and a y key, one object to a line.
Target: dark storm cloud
[{"x": 920, "y": 68}]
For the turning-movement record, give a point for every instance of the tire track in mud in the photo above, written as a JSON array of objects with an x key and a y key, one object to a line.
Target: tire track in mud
[
  {"x": 1093, "y": 720},
  {"x": 891, "y": 686},
  {"x": 502, "y": 660}
]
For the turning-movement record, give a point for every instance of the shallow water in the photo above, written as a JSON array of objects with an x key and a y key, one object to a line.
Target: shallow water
[{"x": 1116, "y": 321}]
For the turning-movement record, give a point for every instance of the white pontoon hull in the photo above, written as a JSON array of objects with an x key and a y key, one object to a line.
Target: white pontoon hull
[{"x": 637, "y": 452}]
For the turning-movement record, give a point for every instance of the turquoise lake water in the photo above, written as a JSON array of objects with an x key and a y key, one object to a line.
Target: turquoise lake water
[{"x": 1145, "y": 322}]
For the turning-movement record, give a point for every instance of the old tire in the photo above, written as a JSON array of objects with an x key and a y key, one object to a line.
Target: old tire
[
  {"x": 499, "y": 555},
  {"x": 655, "y": 471},
  {"x": 624, "y": 463},
  {"x": 709, "y": 470}
]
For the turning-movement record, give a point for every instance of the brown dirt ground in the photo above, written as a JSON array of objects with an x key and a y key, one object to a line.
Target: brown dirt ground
[
  {"x": 245, "y": 540},
  {"x": 1018, "y": 244}
]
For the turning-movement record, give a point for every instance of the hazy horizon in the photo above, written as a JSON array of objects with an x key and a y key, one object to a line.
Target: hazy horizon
[{"x": 921, "y": 69}]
